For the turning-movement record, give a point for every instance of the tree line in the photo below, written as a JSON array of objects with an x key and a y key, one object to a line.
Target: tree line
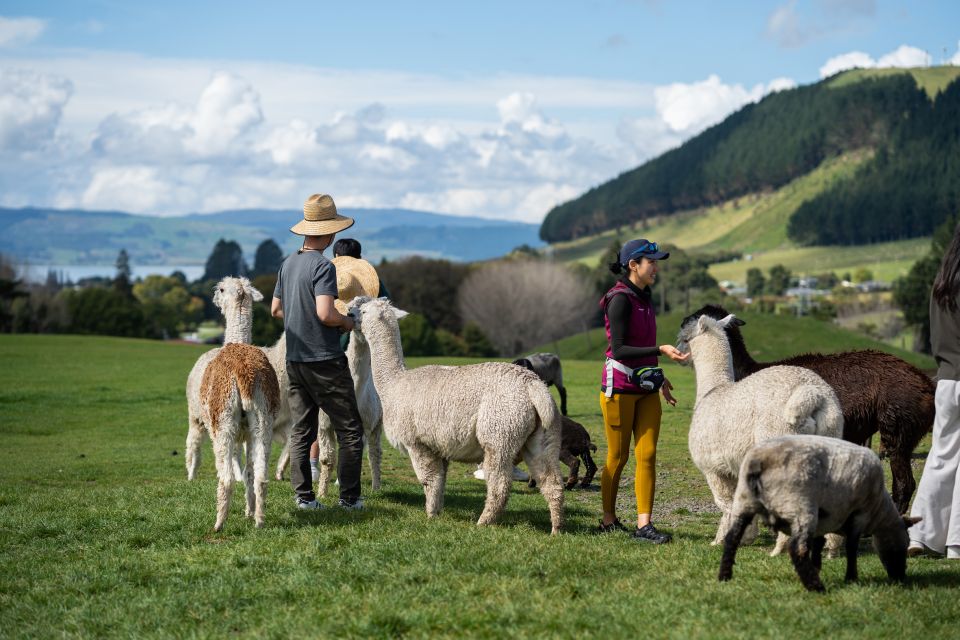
[{"x": 784, "y": 136}]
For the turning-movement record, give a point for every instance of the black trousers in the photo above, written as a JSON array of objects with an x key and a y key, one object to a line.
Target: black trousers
[{"x": 324, "y": 385}]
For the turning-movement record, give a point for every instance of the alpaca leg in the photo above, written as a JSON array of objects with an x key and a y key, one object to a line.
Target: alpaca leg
[
  {"x": 781, "y": 545},
  {"x": 573, "y": 463},
  {"x": 834, "y": 545},
  {"x": 563, "y": 398},
  {"x": 591, "y": 469},
  {"x": 261, "y": 462},
  {"x": 223, "y": 450},
  {"x": 284, "y": 459},
  {"x": 853, "y": 546},
  {"x": 375, "y": 456},
  {"x": 902, "y": 473},
  {"x": 196, "y": 434},
  {"x": 498, "y": 471},
  {"x": 818, "y": 552},
  {"x": 546, "y": 468},
  {"x": 722, "y": 489},
  {"x": 801, "y": 547},
  {"x": 431, "y": 472},
  {"x": 327, "y": 458},
  {"x": 248, "y": 476}
]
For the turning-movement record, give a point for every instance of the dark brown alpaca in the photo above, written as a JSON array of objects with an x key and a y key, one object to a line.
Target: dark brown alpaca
[{"x": 877, "y": 391}]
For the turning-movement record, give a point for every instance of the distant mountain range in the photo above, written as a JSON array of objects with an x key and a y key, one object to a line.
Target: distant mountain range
[{"x": 78, "y": 237}]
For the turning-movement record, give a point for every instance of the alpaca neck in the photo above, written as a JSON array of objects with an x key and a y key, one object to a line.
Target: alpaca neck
[
  {"x": 386, "y": 354},
  {"x": 743, "y": 362},
  {"x": 712, "y": 363},
  {"x": 239, "y": 326}
]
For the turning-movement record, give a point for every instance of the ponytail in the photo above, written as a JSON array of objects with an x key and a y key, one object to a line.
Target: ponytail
[{"x": 615, "y": 267}]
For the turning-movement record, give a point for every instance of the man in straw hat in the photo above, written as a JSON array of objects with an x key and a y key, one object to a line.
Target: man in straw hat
[{"x": 305, "y": 296}]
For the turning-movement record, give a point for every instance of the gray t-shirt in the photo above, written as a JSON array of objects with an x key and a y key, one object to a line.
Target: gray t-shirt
[{"x": 303, "y": 277}]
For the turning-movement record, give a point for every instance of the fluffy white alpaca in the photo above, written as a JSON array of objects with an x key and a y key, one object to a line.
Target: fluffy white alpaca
[
  {"x": 277, "y": 355},
  {"x": 730, "y": 417},
  {"x": 491, "y": 412},
  {"x": 371, "y": 413},
  {"x": 228, "y": 389}
]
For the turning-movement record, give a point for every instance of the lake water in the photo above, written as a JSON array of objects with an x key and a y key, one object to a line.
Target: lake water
[{"x": 38, "y": 272}]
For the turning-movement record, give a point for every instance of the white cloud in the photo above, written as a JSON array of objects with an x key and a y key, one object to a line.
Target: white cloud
[
  {"x": 30, "y": 108},
  {"x": 956, "y": 57},
  {"x": 690, "y": 108},
  {"x": 903, "y": 56},
  {"x": 785, "y": 26},
  {"x": 18, "y": 31}
]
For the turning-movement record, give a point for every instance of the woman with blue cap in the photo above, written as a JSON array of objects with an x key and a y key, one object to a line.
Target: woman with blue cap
[{"x": 631, "y": 385}]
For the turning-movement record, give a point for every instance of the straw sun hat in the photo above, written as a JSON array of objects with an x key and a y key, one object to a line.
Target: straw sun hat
[
  {"x": 355, "y": 277},
  {"x": 320, "y": 217}
]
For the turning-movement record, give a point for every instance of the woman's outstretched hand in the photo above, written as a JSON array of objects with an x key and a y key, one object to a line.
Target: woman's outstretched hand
[
  {"x": 673, "y": 353},
  {"x": 667, "y": 396}
]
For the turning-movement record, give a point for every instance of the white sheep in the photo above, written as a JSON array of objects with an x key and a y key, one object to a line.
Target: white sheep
[
  {"x": 371, "y": 414},
  {"x": 809, "y": 486},
  {"x": 492, "y": 412},
  {"x": 730, "y": 417},
  {"x": 232, "y": 396}
]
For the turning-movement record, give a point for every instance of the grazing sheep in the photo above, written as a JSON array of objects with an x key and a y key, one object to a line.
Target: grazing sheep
[
  {"x": 233, "y": 395},
  {"x": 730, "y": 417},
  {"x": 809, "y": 486},
  {"x": 492, "y": 412},
  {"x": 547, "y": 366},
  {"x": 371, "y": 414},
  {"x": 878, "y": 392}
]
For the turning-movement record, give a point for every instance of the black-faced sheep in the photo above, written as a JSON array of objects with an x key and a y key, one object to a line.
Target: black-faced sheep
[
  {"x": 547, "y": 366},
  {"x": 808, "y": 486},
  {"x": 878, "y": 392}
]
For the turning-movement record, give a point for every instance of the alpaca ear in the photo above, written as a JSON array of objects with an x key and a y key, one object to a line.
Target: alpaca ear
[
  {"x": 909, "y": 521},
  {"x": 702, "y": 324},
  {"x": 737, "y": 321},
  {"x": 254, "y": 293},
  {"x": 399, "y": 313},
  {"x": 730, "y": 318}
]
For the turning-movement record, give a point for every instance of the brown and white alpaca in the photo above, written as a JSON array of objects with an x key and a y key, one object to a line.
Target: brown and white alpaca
[
  {"x": 238, "y": 401},
  {"x": 240, "y": 386}
]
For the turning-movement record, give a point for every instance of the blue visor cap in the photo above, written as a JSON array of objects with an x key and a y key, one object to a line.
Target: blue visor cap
[{"x": 641, "y": 248}]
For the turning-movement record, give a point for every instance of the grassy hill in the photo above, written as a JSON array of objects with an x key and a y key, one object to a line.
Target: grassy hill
[
  {"x": 755, "y": 224},
  {"x": 931, "y": 79},
  {"x": 768, "y": 337}
]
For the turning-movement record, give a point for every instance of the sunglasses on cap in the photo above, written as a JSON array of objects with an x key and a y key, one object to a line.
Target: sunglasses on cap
[{"x": 649, "y": 247}]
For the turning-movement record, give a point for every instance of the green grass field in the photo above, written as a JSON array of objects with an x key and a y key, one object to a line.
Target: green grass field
[
  {"x": 930, "y": 79},
  {"x": 101, "y": 535}
]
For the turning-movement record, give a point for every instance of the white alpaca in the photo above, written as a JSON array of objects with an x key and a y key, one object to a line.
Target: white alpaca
[
  {"x": 371, "y": 414},
  {"x": 730, "y": 417},
  {"x": 492, "y": 412},
  {"x": 226, "y": 387},
  {"x": 277, "y": 355}
]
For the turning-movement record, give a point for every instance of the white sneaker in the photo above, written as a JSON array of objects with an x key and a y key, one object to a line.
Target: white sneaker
[
  {"x": 953, "y": 552},
  {"x": 307, "y": 505},
  {"x": 356, "y": 506}
]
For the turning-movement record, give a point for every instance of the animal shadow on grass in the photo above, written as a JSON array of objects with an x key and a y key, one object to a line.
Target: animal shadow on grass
[{"x": 467, "y": 504}]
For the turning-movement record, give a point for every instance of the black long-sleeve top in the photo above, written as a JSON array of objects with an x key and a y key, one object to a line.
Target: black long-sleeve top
[{"x": 618, "y": 313}]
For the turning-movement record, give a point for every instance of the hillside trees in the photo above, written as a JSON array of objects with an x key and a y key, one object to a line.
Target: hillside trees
[
  {"x": 267, "y": 259},
  {"x": 226, "y": 259},
  {"x": 764, "y": 145},
  {"x": 520, "y": 304}
]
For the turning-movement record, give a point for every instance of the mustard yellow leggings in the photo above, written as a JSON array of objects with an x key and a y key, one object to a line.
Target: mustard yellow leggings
[{"x": 626, "y": 415}]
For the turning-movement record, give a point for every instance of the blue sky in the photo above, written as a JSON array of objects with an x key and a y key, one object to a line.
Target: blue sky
[{"x": 500, "y": 109}]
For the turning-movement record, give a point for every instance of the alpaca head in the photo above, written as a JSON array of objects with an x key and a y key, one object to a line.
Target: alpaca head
[
  {"x": 232, "y": 294},
  {"x": 371, "y": 312},
  {"x": 696, "y": 327}
]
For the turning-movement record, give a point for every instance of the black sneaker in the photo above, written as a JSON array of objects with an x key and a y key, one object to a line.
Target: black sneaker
[
  {"x": 649, "y": 533},
  {"x": 613, "y": 527}
]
